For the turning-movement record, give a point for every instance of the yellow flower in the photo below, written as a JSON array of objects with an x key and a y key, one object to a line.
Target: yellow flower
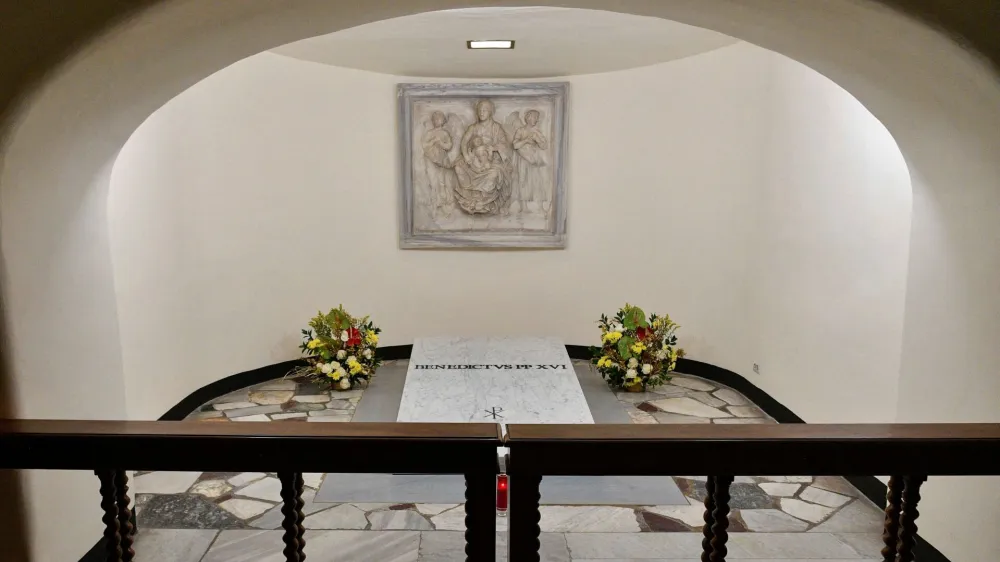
[
  {"x": 314, "y": 343},
  {"x": 335, "y": 375},
  {"x": 355, "y": 368},
  {"x": 638, "y": 347},
  {"x": 604, "y": 362},
  {"x": 371, "y": 337},
  {"x": 657, "y": 323},
  {"x": 612, "y": 337}
]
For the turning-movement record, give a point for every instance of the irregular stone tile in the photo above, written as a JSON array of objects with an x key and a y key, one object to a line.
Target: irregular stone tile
[
  {"x": 587, "y": 519},
  {"x": 642, "y": 418},
  {"x": 223, "y": 419},
  {"x": 689, "y": 407},
  {"x": 328, "y": 419},
  {"x": 273, "y": 518},
  {"x": 164, "y": 482},
  {"x": 344, "y": 516},
  {"x": 759, "y": 421},
  {"x": 327, "y": 413},
  {"x": 434, "y": 508},
  {"x": 244, "y": 478},
  {"x": 173, "y": 545},
  {"x": 245, "y": 509},
  {"x": 789, "y": 546},
  {"x": 667, "y": 391},
  {"x": 706, "y": 399},
  {"x": 253, "y": 418},
  {"x": 859, "y": 516},
  {"x": 837, "y": 484},
  {"x": 771, "y": 521},
  {"x": 339, "y": 405},
  {"x": 692, "y": 383},
  {"x": 205, "y": 415},
  {"x": 737, "y": 480},
  {"x": 235, "y": 396},
  {"x": 294, "y": 406},
  {"x": 631, "y": 547},
  {"x": 402, "y": 506},
  {"x": 277, "y": 384},
  {"x": 211, "y": 488},
  {"x": 663, "y": 417},
  {"x": 798, "y": 479},
  {"x": 813, "y": 494},
  {"x": 312, "y": 398},
  {"x": 450, "y": 520},
  {"x": 347, "y": 394},
  {"x": 747, "y": 411},
  {"x": 805, "y": 511},
  {"x": 217, "y": 475},
  {"x": 646, "y": 407},
  {"x": 256, "y": 410},
  {"x": 779, "y": 489},
  {"x": 288, "y": 416},
  {"x": 369, "y": 507},
  {"x": 731, "y": 397},
  {"x": 744, "y": 496},
  {"x": 322, "y": 546},
  {"x": 638, "y": 397},
  {"x": 233, "y": 405},
  {"x": 309, "y": 387},
  {"x": 184, "y": 511},
  {"x": 659, "y": 524},
  {"x": 270, "y": 397},
  {"x": 354, "y": 400},
  {"x": 449, "y": 546},
  {"x": 692, "y": 514},
  {"x": 399, "y": 520},
  {"x": 866, "y": 544},
  {"x": 267, "y": 489},
  {"x": 313, "y": 479}
]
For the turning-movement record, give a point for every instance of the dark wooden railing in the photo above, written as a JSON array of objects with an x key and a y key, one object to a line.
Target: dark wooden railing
[{"x": 910, "y": 453}]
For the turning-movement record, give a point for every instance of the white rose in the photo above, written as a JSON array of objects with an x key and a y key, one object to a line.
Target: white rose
[
  {"x": 661, "y": 354},
  {"x": 367, "y": 353},
  {"x": 630, "y": 374},
  {"x": 633, "y": 362},
  {"x": 341, "y": 354},
  {"x": 335, "y": 365},
  {"x": 341, "y": 372},
  {"x": 344, "y": 337},
  {"x": 616, "y": 328},
  {"x": 326, "y": 368},
  {"x": 345, "y": 384},
  {"x": 647, "y": 368},
  {"x": 351, "y": 359}
]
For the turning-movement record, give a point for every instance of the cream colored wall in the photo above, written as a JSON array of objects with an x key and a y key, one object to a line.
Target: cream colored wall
[
  {"x": 270, "y": 190},
  {"x": 830, "y": 253}
]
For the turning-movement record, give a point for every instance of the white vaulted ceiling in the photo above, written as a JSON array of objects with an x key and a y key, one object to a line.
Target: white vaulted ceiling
[{"x": 549, "y": 42}]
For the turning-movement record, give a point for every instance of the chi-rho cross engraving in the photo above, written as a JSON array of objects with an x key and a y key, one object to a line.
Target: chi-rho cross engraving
[{"x": 495, "y": 412}]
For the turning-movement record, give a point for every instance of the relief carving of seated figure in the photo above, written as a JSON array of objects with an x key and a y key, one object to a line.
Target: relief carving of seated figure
[{"x": 484, "y": 171}]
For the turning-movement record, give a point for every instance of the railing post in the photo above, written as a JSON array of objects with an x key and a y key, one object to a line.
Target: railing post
[
  {"x": 291, "y": 496},
  {"x": 706, "y": 543},
  {"x": 109, "y": 503},
  {"x": 524, "y": 516},
  {"x": 720, "y": 536},
  {"x": 126, "y": 530},
  {"x": 908, "y": 517},
  {"x": 890, "y": 526},
  {"x": 480, "y": 516}
]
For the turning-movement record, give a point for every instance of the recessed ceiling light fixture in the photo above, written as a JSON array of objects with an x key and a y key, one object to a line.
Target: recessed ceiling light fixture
[{"x": 491, "y": 44}]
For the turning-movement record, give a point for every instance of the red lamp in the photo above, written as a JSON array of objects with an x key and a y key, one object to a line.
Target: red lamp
[{"x": 502, "y": 492}]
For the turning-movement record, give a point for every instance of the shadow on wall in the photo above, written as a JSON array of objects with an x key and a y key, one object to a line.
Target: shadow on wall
[{"x": 12, "y": 514}]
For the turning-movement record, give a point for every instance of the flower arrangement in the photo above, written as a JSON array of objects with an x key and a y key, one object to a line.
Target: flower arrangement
[
  {"x": 340, "y": 349},
  {"x": 636, "y": 353}
]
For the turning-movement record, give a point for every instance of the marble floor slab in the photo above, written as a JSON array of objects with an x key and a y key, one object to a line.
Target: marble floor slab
[
  {"x": 508, "y": 379},
  {"x": 321, "y": 546},
  {"x": 555, "y": 490},
  {"x": 173, "y": 545}
]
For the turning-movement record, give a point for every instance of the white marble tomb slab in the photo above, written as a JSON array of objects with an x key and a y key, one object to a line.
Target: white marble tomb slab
[{"x": 459, "y": 379}]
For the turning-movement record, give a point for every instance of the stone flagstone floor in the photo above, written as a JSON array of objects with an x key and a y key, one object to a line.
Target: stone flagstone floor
[{"x": 229, "y": 517}]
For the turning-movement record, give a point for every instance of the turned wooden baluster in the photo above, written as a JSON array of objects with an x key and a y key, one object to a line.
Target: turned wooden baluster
[
  {"x": 126, "y": 529},
  {"x": 480, "y": 516},
  {"x": 890, "y": 528},
  {"x": 291, "y": 508},
  {"x": 706, "y": 543},
  {"x": 300, "y": 504},
  {"x": 721, "y": 516},
  {"x": 524, "y": 517},
  {"x": 908, "y": 517},
  {"x": 109, "y": 503}
]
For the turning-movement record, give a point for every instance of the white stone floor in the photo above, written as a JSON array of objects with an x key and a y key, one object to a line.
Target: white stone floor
[{"x": 229, "y": 517}]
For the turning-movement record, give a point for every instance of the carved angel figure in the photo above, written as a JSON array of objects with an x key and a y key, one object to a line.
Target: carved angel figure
[
  {"x": 530, "y": 146},
  {"x": 437, "y": 144}
]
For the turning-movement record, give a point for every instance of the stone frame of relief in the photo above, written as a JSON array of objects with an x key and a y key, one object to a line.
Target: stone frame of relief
[{"x": 482, "y": 165}]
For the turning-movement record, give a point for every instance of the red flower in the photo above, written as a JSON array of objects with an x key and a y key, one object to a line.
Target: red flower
[
  {"x": 353, "y": 337},
  {"x": 641, "y": 332}
]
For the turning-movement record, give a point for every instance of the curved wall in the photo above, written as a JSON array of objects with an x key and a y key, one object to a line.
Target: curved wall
[{"x": 940, "y": 106}]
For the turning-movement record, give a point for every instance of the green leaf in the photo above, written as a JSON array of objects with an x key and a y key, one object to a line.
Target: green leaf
[
  {"x": 635, "y": 318},
  {"x": 623, "y": 347}
]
